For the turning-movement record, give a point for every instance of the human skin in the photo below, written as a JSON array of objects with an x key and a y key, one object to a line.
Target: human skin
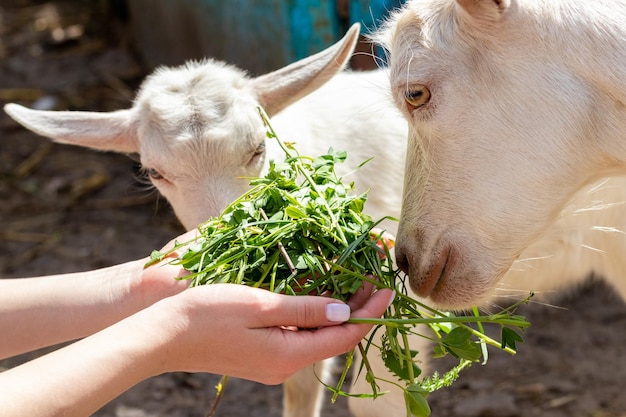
[{"x": 135, "y": 323}]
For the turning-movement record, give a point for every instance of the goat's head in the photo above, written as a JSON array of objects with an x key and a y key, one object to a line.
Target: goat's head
[
  {"x": 196, "y": 127},
  {"x": 502, "y": 133}
]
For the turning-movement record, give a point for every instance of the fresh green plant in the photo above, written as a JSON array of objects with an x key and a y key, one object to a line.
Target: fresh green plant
[{"x": 300, "y": 231}]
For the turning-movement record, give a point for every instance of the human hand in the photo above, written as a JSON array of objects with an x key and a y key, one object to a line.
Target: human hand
[
  {"x": 159, "y": 280},
  {"x": 248, "y": 333}
]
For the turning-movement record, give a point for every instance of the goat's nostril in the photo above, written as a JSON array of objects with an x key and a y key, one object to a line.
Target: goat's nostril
[
  {"x": 402, "y": 261},
  {"x": 423, "y": 279}
]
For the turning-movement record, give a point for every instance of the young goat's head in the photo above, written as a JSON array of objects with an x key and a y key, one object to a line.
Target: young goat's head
[
  {"x": 508, "y": 119},
  {"x": 196, "y": 128}
]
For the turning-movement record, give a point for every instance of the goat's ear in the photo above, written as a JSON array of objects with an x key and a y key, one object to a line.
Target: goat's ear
[
  {"x": 490, "y": 10},
  {"x": 112, "y": 131},
  {"x": 282, "y": 87}
]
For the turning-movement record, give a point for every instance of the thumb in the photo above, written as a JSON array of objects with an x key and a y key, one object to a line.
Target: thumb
[{"x": 306, "y": 311}]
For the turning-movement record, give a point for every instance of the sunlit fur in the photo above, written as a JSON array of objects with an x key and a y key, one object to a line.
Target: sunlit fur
[
  {"x": 589, "y": 236},
  {"x": 526, "y": 109}
]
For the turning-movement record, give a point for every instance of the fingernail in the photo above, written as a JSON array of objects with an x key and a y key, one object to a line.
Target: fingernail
[
  {"x": 393, "y": 297},
  {"x": 337, "y": 312}
]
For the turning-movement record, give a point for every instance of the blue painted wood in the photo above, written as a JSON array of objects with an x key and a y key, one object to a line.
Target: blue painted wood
[
  {"x": 371, "y": 13},
  {"x": 313, "y": 26},
  {"x": 258, "y": 35}
]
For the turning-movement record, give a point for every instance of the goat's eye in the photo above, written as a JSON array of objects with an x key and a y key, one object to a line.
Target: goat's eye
[
  {"x": 260, "y": 150},
  {"x": 417, "y": 97},
  {"x": 154, "y": 174}
]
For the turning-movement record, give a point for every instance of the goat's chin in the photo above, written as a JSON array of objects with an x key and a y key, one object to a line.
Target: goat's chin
[{"x": 460, "y": 296}]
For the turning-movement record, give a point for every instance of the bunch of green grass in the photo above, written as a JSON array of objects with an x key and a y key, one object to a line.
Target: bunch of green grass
[{"x": 299, "y": 231}]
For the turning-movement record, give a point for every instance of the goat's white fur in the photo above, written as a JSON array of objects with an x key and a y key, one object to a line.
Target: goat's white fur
[
  {"x": 197, "y": 125},
  {"x": 527, "y": 107}
]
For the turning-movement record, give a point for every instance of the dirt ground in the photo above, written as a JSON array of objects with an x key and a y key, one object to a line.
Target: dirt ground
[{"x": 66, "y": 209}]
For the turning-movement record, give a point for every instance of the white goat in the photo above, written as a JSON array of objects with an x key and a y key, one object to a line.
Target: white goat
[
  {"x": 513, "y": 107},
  {"x": 200, "y": 138}
]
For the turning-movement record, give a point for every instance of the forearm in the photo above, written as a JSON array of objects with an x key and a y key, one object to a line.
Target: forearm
[
  {"x": 80, "y": 378},
  {"x": 42, "y": 311},
  {"x": 223, "y": 328}
]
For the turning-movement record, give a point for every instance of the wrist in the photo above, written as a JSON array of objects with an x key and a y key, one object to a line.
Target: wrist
[{"x": 161, "y": 327}]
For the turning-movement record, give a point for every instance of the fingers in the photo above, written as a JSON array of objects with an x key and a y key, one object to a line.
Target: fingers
[
  {"x": 254, "y": 317},
  {"x": 344, "y": 338},
  {"x": 313, "y": 346},
  {"x": 376, "y": 305},
  {"x": 384, "y": 240},
  {"x": 185, "y": 237},
  {"x": 360, "y": 297},
  {"x": 304, "y": 311},
  {"x": 313, "y": 311}
]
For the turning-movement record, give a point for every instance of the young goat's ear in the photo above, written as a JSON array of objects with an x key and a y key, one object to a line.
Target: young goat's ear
[
  {"x": 114, "y": 131},
  {"x": 283, "y": 87},
  {"x": 490, "y": 10}
]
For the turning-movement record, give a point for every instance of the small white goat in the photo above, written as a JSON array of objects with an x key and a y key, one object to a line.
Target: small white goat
[
  {"x": 513, "y": 107},
  {"x": 200, "y": 138}
]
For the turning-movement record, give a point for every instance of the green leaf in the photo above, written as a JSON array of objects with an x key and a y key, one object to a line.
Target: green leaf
[
  {"x": 415, "y": 399},
  {"x": 510, "y": 337},
  {"x": 400, "y": 369},
  {"x": 157, "y": 256},
  {"x": 295, "y": 212},
  {"x": 439, "y": 351},
  {"x": 458, "y": 342}
]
